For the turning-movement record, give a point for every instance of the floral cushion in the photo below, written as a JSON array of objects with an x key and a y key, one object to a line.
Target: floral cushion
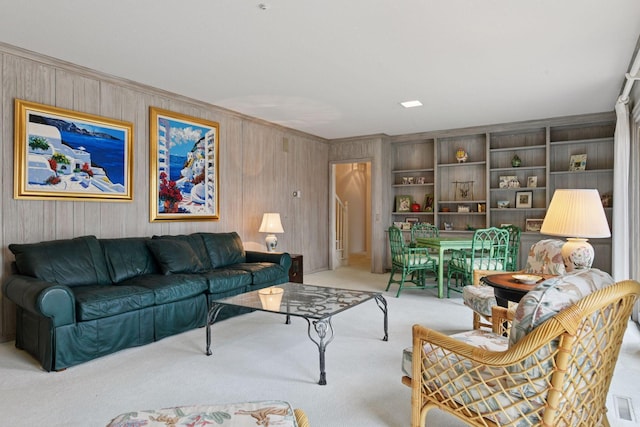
[
  {"x": 553, "y": 295},
  {"x": 545, "y": 257},
  {"x": 484, "y": 389},
  {"x": 479, "y": 298},
  {"x": 245, "y": 414}
]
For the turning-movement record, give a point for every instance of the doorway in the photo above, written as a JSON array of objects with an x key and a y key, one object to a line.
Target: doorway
[{"x": 350, "y": 213}]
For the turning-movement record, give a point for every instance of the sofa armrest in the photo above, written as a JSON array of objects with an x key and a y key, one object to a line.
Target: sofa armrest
[
  {"x": 56, "y": 302},
  {"x": 281, "y": 258}
]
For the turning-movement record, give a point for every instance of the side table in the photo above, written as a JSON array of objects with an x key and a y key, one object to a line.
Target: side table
[{"x": 296, "y": 270}]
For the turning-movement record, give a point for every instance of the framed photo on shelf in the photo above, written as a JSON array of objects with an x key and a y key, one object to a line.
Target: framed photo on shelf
[
  {"x": 533, "y": 224},
  {"x": 428, "y": 202},
  {"x": 503, "y": 204},
  {"x": 412, "y": 220},
  {"x": 532, "y": 181},
  {"x": 523, "y": 199},
  {"x": 509, "y": 181},
  {"x": 578, "y": 162},
  {"x": 403, "y": 203}
]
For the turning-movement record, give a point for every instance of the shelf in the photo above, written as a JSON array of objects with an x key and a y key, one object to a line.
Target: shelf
[
  {"x": 455, "y": 165},
  {"x": 461, "y": 202},
  {"x": 496, "y": 189},
  {"x": 412, "y": 170},
  {"x": 582, "y": 141},
  {"x": 519, "y": 148},
  {"x": 581, "y": 172},
  {"x": 412, "y": 213},
  {"x": 428, "y": 184},
  {"x": 461, "y": 213},
  {"x": 512, "y": 169}
]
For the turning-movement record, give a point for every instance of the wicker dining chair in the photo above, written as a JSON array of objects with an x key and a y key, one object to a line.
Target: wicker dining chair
[
  {"x": 411, "y": 263},
  {"x": 554, "y": 369}
]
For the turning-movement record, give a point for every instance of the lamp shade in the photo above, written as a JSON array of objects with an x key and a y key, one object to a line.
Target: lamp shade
[
  {"x": 271, "y": 223},
  {"x": 576, "y": 213}
]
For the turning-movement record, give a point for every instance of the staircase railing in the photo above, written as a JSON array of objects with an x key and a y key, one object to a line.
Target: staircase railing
[{"x": 342, "y": 230}]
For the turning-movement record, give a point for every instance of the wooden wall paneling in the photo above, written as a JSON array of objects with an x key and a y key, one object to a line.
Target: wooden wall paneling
[
  {"x": 312, "y": 219},
  {"x": 231, "y": 177}
]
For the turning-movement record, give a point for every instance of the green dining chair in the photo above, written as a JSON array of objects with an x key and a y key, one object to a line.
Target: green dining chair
[
  {"x": 489, "y": 251},
  {"x": 411, "y": 262},
  {"x": 514, "y": 247}
]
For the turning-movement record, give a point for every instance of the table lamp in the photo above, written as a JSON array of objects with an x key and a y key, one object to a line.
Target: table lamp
[
  {"x": 271, "y": 224},
  {"x": 577, "y": 215}
]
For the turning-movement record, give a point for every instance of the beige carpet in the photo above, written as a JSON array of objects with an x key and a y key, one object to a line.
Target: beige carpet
[{"x": 258, "y": 357}]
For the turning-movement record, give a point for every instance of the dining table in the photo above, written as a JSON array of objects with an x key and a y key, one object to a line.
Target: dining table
[{"x": 442, "y": 245}]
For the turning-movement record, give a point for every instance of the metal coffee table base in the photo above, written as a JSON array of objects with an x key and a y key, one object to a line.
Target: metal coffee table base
[{"x": 322, "y": 327}]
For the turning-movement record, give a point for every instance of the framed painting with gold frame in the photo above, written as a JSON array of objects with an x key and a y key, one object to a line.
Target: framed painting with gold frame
[
  {"x": 62, "y": 154},
  {"x": 184, "y": 165}
]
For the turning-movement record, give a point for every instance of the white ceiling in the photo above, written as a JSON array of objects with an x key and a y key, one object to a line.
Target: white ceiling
[{"x": 339, "y": 68}]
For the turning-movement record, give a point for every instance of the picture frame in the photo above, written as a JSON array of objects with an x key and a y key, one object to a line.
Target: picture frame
[
  {"x": 412, "y": 220},
  {"x": 403, "y": 203},
  {"x": 509, "y": 181},
  {"x": 448, "y": 226},
  {"x": 533, "y": 224},
  {"x": 184, "y": 167},
  {"x": 578, "y": 162},
  {"x": 428, "y": 202},
  {"x": 523, "y": 199},
  {"x": 532, "y": 181},
  {"x": 503, "y": 204},
  {"x": 62, "y": 154}
]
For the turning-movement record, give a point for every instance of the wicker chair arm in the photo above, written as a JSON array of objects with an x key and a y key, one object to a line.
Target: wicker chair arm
[{"x": 501, "y": 319}]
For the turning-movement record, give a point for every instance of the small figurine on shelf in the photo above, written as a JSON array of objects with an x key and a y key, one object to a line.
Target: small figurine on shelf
[
  {"x": 516, "y": 162},
  {"x": 461, "y": 155}
]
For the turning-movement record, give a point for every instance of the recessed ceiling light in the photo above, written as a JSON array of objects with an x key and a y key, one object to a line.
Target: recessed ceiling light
[{"x": 410, "y": 104}]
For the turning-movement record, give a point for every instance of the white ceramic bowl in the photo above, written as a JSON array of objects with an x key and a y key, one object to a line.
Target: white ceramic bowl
[{"x": 527, "y": 279}]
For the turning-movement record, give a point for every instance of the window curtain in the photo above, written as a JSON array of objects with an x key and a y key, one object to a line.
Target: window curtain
[
  {"x": 621, "y": 191},
  {"x": 634, "y": 202}
]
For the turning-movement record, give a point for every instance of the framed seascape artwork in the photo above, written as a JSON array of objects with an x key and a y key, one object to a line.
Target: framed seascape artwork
[
  {"x": 183, "y": 167},
  {"x": 68, "y": 155}
]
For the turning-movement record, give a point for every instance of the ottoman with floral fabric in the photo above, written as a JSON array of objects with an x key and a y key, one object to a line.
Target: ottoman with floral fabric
[{"x": 245, "y": 414}]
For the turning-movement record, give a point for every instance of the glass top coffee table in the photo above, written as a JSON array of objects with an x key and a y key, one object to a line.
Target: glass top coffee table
[{"x": 315, "y": 304}]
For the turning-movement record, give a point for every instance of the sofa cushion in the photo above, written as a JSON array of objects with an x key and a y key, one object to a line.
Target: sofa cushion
[
  {"x": 552, "y": 296},
  {"x": 128, "y": 257},
  {"x": 175, "y": 256},
  {"x": 71, "y": 262},
  {"x": 195, "y": 242},
  {"x": 96, "y": 302},
  {"x": 222, "y": 280},
  {"x": 263, "y": 272},
  {"x": 224, "y": 248},
  {"x": 171, "y": 288}
]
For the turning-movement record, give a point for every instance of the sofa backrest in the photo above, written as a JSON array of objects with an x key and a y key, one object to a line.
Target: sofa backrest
[
  {"x": 128, "y": 257},
  {"x": 182, "y": 253},
  {"x": 224, "y": 248},
  {"x": 70, "y": 262}
]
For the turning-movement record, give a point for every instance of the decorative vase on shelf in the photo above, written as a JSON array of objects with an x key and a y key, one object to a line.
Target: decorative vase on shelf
[
  {"x": 461, "y": 155},
  {"x": 516, "y": 162}
]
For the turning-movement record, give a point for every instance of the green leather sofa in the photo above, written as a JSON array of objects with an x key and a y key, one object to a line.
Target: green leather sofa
[{"x": 82, "y": 298}]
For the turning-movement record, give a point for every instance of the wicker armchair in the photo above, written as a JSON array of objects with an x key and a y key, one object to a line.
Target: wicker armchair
[
  {"x": 555, "y": 373},
  {"x": 545, "y": 257}
]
